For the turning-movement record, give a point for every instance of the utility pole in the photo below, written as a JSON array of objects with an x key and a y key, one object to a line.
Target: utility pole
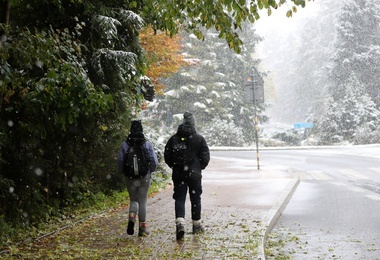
[
  {"x": 256, "y": 125},
  {"x": 254, "y": 90}
]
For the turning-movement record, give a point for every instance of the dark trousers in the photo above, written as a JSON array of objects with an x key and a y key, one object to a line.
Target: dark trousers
[{"x": 194, "y": 186}]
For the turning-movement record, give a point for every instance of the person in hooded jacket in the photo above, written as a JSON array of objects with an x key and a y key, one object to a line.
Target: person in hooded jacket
[
  {"x": 187, "y": 171},
  {"x": 137, "y": 187}
]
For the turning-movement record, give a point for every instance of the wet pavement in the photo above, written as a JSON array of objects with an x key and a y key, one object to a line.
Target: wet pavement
[{"x": 240, "y": 204}]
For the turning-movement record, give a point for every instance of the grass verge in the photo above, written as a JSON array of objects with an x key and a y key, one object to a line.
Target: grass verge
[{"x": 14, "y": 237}]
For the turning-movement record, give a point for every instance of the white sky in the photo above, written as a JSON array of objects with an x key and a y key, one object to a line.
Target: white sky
[
  {"x": 279, "y": 34},
  {"x": 278, "y": 26}
]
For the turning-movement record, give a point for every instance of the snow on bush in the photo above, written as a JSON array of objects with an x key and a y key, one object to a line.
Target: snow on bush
[{"x": 220, "y": 132}]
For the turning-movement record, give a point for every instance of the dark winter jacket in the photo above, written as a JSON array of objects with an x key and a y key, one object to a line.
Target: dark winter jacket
[
  {"x": 197, "y": 153},
  {"x": 137, "y": 137}
]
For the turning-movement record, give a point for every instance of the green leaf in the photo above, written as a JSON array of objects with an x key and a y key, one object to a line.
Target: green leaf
[
  {"x": 132, "y": 4},
  {"x": 70, "y": 119},
  {"x": 260, "y": 4},
  {"x": 51, "y": 74},
  {"x": 198, "y": 34}
]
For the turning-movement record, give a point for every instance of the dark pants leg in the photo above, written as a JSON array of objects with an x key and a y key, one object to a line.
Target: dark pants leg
[
  {"x": 180, "y": 191},
  {"x": 195, "y": 191}
]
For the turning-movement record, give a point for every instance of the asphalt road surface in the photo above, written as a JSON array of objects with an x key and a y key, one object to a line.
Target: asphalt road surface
[{"x": 334, "y": 213}]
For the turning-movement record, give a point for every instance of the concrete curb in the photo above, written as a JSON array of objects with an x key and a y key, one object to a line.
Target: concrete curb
[
  {"x": 274, "y": 213},
  {"x": 304, "y": 147},
  {"x": 222, "y": 148}
]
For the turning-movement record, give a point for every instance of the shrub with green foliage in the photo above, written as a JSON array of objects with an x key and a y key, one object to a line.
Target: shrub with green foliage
[
  {"x": 52, "y": 118},
  {"x": 70, "y": 84}
]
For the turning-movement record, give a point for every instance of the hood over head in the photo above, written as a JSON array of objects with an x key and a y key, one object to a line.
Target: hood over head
[
  {"x": 185, "y": 130},
  {"x": 136, "y": 127},
  {"x": 189, "y": 118},
  {"x": 136, "y": 136}
]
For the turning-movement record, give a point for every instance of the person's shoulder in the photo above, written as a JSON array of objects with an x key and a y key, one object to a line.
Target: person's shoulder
[
  {"x": 197, "y": 138},
  {"x": 148, "y": 145},
  {"x": 202, "y": 138},
  {"x": 172, "y": 138},
  {"x": 124, "y": 144},
  {"x": 175, "y": 137},
  {"x": 198, "y": 135}
]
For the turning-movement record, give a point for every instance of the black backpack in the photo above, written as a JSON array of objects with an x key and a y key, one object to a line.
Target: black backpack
[
  {"x": 136, "y": 164},
  {"x": 179, "y": 152}
]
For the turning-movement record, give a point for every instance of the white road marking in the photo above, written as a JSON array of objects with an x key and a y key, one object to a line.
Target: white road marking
[
  {"x": 374, "y": 197},
  {"x": 339, "y": 183},
  {"x": 356, "y": 189},
  {"x": 320, "y": 175},
  {"x": 375, "y": 169},
  {"x": 353, "y": 174}
]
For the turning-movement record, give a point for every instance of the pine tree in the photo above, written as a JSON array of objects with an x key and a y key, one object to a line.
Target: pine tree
[
  {"x": 358, "y": 47},
  {"x": 350, "y": 115},
  {"x": 212, "y": 88},
  {"x": 351, "y": 112}
]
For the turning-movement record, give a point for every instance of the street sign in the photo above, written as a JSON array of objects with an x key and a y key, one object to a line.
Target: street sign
[
  {"x": 254, "y": 95},
  {"x": 303, "y": 125},
  {"x": 254, "y": 88}
]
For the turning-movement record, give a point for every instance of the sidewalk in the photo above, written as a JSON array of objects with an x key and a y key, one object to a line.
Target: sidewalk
[{"x": 240, "y": 204}]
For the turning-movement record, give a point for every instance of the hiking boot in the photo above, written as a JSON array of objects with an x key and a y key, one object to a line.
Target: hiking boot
[
  {"x": 198, "y": 229},
  {"x": 180, "y": 231},
  {"x": 131, "y": 226},
  {"x": 143, "y": 232}
]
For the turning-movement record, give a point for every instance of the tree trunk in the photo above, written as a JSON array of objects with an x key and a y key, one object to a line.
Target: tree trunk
[{"x": 5, "y": 10}]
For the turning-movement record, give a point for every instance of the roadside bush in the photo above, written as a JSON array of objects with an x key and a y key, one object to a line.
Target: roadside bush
[
  {"x": 290, "y": 137},
  {"x": 367, "y": 135},
  {"x": 220, "y": 132}
]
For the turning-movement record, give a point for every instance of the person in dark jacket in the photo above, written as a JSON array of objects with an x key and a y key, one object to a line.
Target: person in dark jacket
[
  {"x": 187, "y": 171},
  {"x": 137, "y": 187}
]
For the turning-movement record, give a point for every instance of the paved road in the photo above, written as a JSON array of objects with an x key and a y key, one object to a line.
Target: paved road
[{"x": 334, "y": 213}]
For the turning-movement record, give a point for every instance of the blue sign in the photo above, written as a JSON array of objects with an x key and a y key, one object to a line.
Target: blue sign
[{"x": 303, "y": 125}]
